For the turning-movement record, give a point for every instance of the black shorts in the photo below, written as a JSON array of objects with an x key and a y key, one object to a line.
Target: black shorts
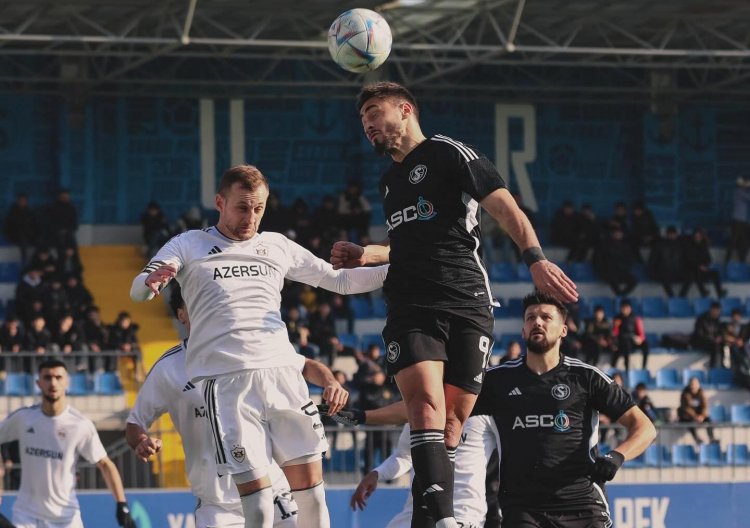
[
  {"x": 460, "y": 337},
  {"x": 594, "y": 517}
]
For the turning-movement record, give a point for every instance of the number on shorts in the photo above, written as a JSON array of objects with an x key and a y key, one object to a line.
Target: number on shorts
[
  {"x": 484, "y": 347},
  {"x": 306, "y": 409}
]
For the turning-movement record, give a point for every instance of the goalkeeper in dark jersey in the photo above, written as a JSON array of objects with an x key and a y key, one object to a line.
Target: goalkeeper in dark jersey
[{"x": 438, "y": 334}]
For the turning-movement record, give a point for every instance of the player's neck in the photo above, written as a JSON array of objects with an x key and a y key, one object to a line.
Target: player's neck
[
  {"x": 541, "y": 363},
  {"x": 53, "y": 408},
  {"x": 408, "y": 142}
]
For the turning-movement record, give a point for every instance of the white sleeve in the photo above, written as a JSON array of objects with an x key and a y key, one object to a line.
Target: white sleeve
[
  {"x": 170, "y": 253},
  {"x": 151, "y": 401},
  {"x": 399, "y": 463},
  {"x": 92, "y": 449},
  {"x": 309, "y": 269}
]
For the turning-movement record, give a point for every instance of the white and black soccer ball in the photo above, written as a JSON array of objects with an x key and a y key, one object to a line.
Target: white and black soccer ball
[{"x": 359, "y": 40}]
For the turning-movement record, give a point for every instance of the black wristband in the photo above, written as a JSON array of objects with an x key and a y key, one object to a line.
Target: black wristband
[{"x": 532, "y": 255}]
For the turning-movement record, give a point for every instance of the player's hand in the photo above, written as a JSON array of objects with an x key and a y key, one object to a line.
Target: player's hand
[
  {"x": 351, "y": 417},
  {"x": 366, "y": 487},
  {"x": 148, "y": 447},
  {"x": 123, "y": 516},
  {"x": 160, "y": 277},
  {"x": 335, "y": 396},
  {"x": 347, "y": 255},
  {"x": 605, "y": 467},
  {"x": 549, "y": 278}
]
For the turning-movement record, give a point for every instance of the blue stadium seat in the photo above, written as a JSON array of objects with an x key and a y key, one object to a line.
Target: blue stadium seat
[
  {"x": 107, "y": 383},
  {"x": 693, "y": 373},
  {"x": 636, "y": 376},
  {"x": 512, "y": 309},
  {"x": 718, "y": 413},
  {"x": 730, "y": 303},
  {"x": 17, "y": 384},
  {"x": 720, "y": 378},
  {"x": 657, "y": 455},
  {"x": 369, "y": 339},
  {"x": 79, "y": 384},
  {"x": 10, "y": 272},
  {"x": 737, "y": 454},
  {"x": 653, "y": 307},
  {"x": 635, "y": 304},
  {"x": 314, "y": 389},
  {"x": 350, "y": 340},
  {"x": 342, "y": 460},
  {"x": 679, "y": 307},
  {"x": 379, "y": 308},
  {"x": 737, "y": 272},
  {"x": 608, "y": 303},
  {"x": 637, "y": 462},
  {"x": 668, "y": 378},
  {"x": 740, "y": 413},
  {"x": 653, "y": 339},
  {"x": 582, "y": 272},
  {"x": 522, "y": 270},
  {"x": 503, "y": 272},
  {"x": 506, "y": 339},
  {"x": 684, "y": 455},
  {"x": 710, "y": 455},
  {"x": 702, "y": 304},
  {"x": 361, "y": 307}
]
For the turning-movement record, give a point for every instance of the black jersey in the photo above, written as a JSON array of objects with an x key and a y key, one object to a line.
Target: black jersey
[
  {"x": 431, "y": 202},
  {"x": 549, "y": 431}
]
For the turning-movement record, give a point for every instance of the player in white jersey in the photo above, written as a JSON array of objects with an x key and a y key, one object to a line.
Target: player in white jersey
[
  {"x": 168, "y": 389},
  {"x": 51, "y": 437},
  {"x": 478, "y": 441},
  {"x": 258, "y": 404}
]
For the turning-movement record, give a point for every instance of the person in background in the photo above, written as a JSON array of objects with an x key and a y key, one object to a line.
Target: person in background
[
  {"x": 21, "y": 227},
  {"x": 739, "y": 230},
  {"x": 643, "y": 401},
  {"x": 694, "y": 409},
  {"x": 666, "y": 260},
  {"x": 629, "y": 335},
  {"x": 155, "y": 228},
  {"x": 708, "y": 334},
  {"x": 597, "y": 336},
  {"x": 697, "y": 266}
]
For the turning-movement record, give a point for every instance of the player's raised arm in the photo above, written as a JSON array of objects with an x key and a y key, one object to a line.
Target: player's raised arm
[
  {"x": 138, "y": 439},
  {"x": 334, "y": 394},
  {"x": 349, "y": 255},
  {"x": 161, "y": 269}
]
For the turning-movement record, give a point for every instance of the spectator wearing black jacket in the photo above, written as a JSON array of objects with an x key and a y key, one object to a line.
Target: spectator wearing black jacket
[
  {"x": 30, "y": 290},
  {"x": 38, "y": 339},
  {"x": 597, "y": 336},
  {"x": 666, "y": 260},
  {"x": 697, "y": 266},
  {"x": 11, "y": 342},
  {"x": 629, "y": 335},
  {"x": 155, "y": 228},
  {"x": 708, "y": 333},
  {"x": 79, "y": 297},
  {"x": 21, "y": 227},
  {"x": 97, "y": 338},
  {"x": 643, "y": 401},
  {"x": 614, "y": 260},
  {"x": 564, "y": 228},
  {"x": 123, "y": 337},
  {"x": 62, "y": 222},
  {"x": 644, "y": 230}
]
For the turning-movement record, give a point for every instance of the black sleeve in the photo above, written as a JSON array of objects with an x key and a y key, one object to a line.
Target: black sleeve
[
  {"x": 608, "y": 397},
  {"x": 483, "y": 406},
  {"x": 477, "y": 176}
]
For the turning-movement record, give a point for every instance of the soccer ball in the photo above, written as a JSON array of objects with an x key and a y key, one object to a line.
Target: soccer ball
[{"x": 359, "y": 40}]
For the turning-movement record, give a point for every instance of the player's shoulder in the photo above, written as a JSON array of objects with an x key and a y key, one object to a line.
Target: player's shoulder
[
  {"x": 454, "y": 148},
  {"x": 74, "y": 415},
  {"x": 272, "y": 237},
  {"x": 577, "y": 366},
  {"x": 26, "y": 411},
  {"x": 169, "y": 359},
  {"x": 504, "y": 371}
]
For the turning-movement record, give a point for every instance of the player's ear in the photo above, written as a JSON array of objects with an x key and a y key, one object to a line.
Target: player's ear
[
  {"x": 219, "y": 202},
  {"x": 564, "y": 331}
]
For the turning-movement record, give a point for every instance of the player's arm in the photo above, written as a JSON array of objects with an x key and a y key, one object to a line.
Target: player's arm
[
  {"x": 349, "y": 255},
  {"x": 319, "y": 374},
  {"x": 149, "y": 405},
  {"x": 641, "y": 432},
  {"x": 114, "y": 483},
  {"x": 393, "y": 414},
  {"x": 160, "y": 270},
  {"x": 138, "y": 439},
  {"x": 547, "y": 276}
]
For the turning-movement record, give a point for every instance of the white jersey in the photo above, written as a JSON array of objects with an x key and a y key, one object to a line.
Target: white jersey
[
  {"x": 168, "y": 389},
  {"x": 232, "y": 290},
  {"x": 50, "y": 447},
  {"x": 478, "y": 440}
]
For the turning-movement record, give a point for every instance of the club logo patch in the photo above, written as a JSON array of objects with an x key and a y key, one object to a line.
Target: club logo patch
[
  {"x": 262, "y": 251},
  {"x": 394, "y": 350},
  {"x": 418, "y": 174},
  {"x": 560, "y": 391},
  {"x": 562, "y": 422},
  {"x": 238, "y": 453}
]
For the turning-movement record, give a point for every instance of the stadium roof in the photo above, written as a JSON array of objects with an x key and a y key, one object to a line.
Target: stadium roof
[{"x": 618, "y": 50}]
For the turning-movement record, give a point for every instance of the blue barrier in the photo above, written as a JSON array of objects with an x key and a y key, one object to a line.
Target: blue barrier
[{"x": 632, "y": 506}]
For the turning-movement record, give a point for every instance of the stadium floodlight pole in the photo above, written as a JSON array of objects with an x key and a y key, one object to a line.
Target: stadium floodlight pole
[
  {"x": 510, "y": 46},
  {"x": 185, "y": 38}
]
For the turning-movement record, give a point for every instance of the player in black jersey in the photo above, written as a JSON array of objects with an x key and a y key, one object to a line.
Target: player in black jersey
[
  {"x": 546, "y": 407},
  {"x": 438, "y": 333}
]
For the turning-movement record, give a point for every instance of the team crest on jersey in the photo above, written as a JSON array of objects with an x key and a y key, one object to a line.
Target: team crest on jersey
[
  {"x": 238, "y": 453},
  {"x": 560, "y": 391},
  {"x": 261, "y": 250},
  {"x": 562, "y": 422},
  {"x": 394, "y": 350},
  {"x": 61, "y": 433},
  {"x": 418, "y": 174}
]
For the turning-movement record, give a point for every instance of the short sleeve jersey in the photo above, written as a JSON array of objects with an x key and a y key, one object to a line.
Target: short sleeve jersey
[
  {"x": 232, "y": 290},
  {"x": 50, "y": 447},
  {"x": 431, "y": 204},
  {"x": 549, "y": 430}
]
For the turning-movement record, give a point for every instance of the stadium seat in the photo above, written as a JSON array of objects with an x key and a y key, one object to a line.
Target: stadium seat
[
  {"x": 523, "y": 272},
  {"x": 636, "y": 376},
  {"x": 79, "y": 384},
  {"x": 653, "y": 339},
  {"x": 718, "y": 413},
  {"x": 737, "y": 272},
  {"x": 668, "y": 378},
  {"x": 653, "y": 307},
  {"x": 379, "y": 308},
  {"x": 503, "y": 272},
  {"x": 341, "y": 460},
  {"x": 684, "y": 455},
  {"x": 657, "y": 455},
  {"x": 693, "y": 373},
  {"x": 361, "y": 307},
  {"x": 730, "y": 303},
  {"x": 369, "y": 339},
  {"x": 720, "y": 378},
  {"x": 679, "y": 307},
  {"x": 506, "y": 339},
  {"x": 512, "y": 308},
  {"x": 10, "y": 272},
  {"x": 582, "y": 272},
  {"x": 740, "y": 413},
  {"x": 313, "y": 389},
  {"x": 349, "y": 340},
  {"x": 737, "y": 455},
  {"x": 608, "y": 303},
  {"x": 637, "y": 462},
  {"x": 17, "y": 384},
  {"x": 702, "y": 304},
  {"x": 107, "y": 383},
  {"x": 710, "y": 455}
]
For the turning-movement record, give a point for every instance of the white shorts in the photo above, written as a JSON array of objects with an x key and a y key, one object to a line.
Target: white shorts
[
  {"x": 260, "y": 415},
  {"x": 23, "y": 520},
  {"x": 219, "y": 515}
]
